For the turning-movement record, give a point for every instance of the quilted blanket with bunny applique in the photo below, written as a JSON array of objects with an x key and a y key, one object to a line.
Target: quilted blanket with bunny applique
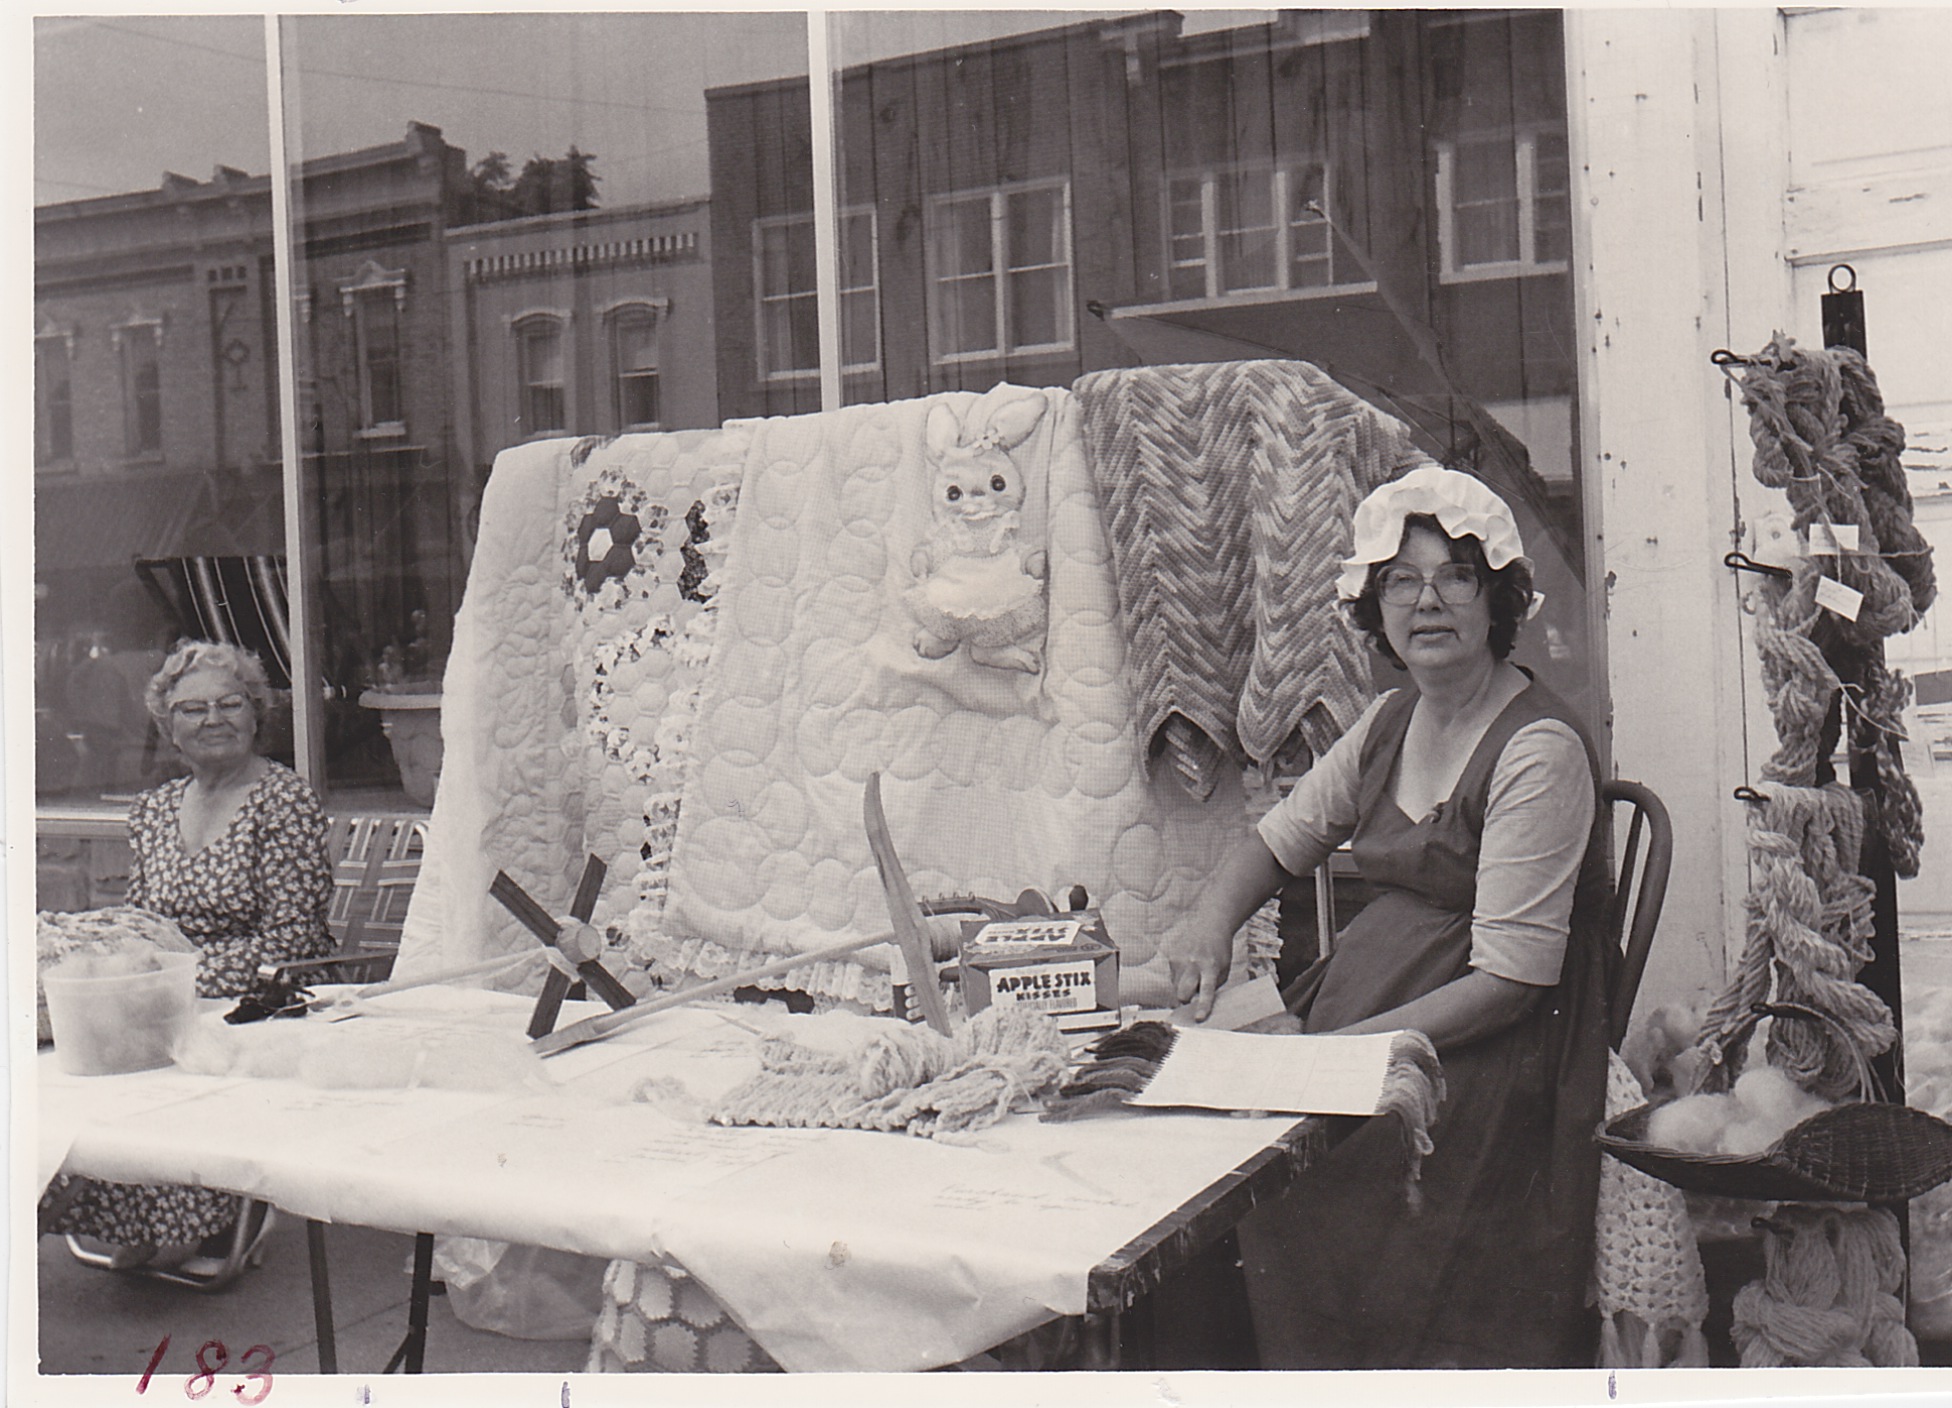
[{"x": 1009, "y": 758}]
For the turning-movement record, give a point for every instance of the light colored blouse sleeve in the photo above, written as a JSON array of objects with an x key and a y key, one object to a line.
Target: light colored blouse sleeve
[
  {"x": 1536, "y": 823},
  {"x": 1304, "y": 828}
]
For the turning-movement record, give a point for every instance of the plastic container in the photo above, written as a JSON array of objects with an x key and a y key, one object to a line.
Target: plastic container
[{"x": 109, "y": 1026}]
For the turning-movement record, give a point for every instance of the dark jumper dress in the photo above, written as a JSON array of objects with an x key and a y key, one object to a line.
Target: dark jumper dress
[{"x": 1493, "y": 1270}]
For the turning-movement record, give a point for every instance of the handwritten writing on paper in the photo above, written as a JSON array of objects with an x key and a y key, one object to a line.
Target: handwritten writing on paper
[
  {"x": 696, "y": 1155},
  {"x": 969, "y": 1197},
  {"x": 1304, "y": 1075}
]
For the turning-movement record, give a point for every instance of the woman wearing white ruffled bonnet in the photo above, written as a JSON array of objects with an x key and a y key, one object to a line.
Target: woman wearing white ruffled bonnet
[{"x": 1469, "y": 796}]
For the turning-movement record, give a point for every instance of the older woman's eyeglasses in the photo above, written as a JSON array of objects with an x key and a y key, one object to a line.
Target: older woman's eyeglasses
[
  {"x": 1456, "y": 584},
  {"x": 195, "y": 711}
]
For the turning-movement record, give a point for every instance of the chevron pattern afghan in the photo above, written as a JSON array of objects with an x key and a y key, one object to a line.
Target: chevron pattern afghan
[{"x": 1228, "y": 490}]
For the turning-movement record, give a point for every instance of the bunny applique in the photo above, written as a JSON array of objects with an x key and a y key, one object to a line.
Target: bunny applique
[{"x": 978, "y": 584}]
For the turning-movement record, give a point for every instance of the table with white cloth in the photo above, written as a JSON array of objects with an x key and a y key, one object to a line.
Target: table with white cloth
[{"x": 835, "y": 1249}]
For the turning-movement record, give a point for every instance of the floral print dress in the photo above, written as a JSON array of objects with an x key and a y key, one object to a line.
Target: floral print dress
[{"x": 258, "y": 893}]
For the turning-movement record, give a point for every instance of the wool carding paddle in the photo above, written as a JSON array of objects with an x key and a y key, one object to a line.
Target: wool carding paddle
[{"x": 903, "y": 912}]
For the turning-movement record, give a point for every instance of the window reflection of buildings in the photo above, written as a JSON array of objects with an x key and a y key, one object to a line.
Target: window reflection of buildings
[
  {"x": 1382, "y": 193},
  {"x": 1295, "y": 188},
  {"x": 588, "y": 322},
  {"x": 788, "y": 320},
  {"x": 156, "y": 406}
]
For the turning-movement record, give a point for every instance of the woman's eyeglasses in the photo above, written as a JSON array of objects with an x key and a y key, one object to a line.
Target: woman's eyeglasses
[
  {"x": 1456, "y": 584},
  {"x": 195, "y": 711}
]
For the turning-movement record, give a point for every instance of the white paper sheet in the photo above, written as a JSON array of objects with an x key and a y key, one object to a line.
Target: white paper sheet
[
  {"x": 1234, "y": 1006},
  {"x": 1313, "y": 1075}
]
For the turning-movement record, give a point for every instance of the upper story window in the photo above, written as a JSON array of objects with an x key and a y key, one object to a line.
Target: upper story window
[
  {"x": 374, "y": 301},
  {"x": 1504, "y": 205},
  {"x": 789, "y": 323},
  {"x": 1253, "y": 229},
  {"x": 633, "y": 362},
  {"x": 54, "y": 418},
  {"x": 1000, "y": 271},
  {"x": 542, "y": 405},
  {"x": 139, "y": 347}
]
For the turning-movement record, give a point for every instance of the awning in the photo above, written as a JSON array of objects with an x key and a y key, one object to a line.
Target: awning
[{"x": 102, "y": 521}]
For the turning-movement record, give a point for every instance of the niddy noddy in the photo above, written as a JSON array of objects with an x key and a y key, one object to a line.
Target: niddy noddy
[{"x": 908, "y": 934}]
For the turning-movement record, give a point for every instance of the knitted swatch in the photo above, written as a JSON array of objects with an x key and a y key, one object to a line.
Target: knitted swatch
[{"x": 908, "y": 1078}]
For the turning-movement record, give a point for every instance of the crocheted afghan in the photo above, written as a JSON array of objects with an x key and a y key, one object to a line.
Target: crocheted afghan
[
  {"x": 1228, "y": 492},
  {"x": 1647, "y": 1276}
]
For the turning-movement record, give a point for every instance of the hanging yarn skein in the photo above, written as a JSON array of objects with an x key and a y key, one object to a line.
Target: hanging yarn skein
[
  {"x": 1808, "y": 936},
  {"x": 1829, "y": 1293},
  {"x": 1809, "y": 921},
  {"x": 1796, "y": 422},
  {"x": 1817, "y": 421}
]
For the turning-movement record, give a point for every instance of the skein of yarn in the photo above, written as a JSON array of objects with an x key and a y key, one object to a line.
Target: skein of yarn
[
  {"x": 1828, "y": 1294},
  {"x": 1809, "y": 931}
]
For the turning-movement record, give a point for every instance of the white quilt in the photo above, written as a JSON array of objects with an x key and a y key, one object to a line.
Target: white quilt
[
  {"x": 577, "y": 653},
  {"x": 994, "y": 777}
]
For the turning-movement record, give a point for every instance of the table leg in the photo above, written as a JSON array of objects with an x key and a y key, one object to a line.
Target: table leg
[
  {"x": 321, "y": 1296},
  {"x": 1098, "y": 1339},
  {"x": 413, "y": 1349}
]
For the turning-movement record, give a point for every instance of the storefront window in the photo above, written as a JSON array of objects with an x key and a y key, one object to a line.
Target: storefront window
[
  {"x": 501, "y": 227},
  {"x": 157, "y": 489},
  {"x": 1384, "y": 194}
]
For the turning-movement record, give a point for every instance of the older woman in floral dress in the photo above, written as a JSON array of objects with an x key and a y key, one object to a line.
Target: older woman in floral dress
[{"x": 235, "y": 854}]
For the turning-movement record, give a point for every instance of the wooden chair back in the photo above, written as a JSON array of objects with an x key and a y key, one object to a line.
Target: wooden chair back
[{"x": 1640, "y": 890}]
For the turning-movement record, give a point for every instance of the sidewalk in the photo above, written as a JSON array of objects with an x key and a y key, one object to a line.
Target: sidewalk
[{"x": 99, "y": 1322}]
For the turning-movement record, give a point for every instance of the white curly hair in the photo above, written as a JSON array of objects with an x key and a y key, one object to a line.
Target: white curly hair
[{"x": 192, "y": 655}]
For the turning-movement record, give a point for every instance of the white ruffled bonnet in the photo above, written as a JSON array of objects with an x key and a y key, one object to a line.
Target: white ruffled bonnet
[{"x": 1461, "y": 504}]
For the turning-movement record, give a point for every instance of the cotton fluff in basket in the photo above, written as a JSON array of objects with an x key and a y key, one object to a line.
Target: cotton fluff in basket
[
  {"x": 370, "y": 1054},
  {"x": 1764, "y": 1105}
]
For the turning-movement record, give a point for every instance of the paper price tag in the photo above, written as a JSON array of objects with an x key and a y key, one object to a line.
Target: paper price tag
[
  {"x": 1835, "y": 596},
  {"x": 1831, "y": 539}
]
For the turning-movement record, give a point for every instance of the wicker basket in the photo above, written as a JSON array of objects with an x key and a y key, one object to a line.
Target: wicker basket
[{"x": 1866, "y": 1151}]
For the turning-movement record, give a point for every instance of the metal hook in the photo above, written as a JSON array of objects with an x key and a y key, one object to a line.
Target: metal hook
[
  {"x": 1742, "y": 562},
  {"x": 1722, "y": 357},
  {"x": 1748, "y": 794}
]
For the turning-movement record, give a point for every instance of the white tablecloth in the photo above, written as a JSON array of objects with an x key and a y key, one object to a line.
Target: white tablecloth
[{"x": 836, "y": 1249}]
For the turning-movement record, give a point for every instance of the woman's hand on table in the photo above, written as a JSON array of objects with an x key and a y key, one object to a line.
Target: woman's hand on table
[
  {"x": 1200, "y": 956},
  {"x": 1199, "y": 965}
]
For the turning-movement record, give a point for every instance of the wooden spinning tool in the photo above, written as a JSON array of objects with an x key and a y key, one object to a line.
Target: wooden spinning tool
[
  {"x": 578, "y": 941},
  {"x": 903, "y": 912},
  {"x": 908, "y": 933}
]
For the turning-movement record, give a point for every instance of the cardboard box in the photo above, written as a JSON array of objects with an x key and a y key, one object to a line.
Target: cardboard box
[{"x": 1061, "y": 964}]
